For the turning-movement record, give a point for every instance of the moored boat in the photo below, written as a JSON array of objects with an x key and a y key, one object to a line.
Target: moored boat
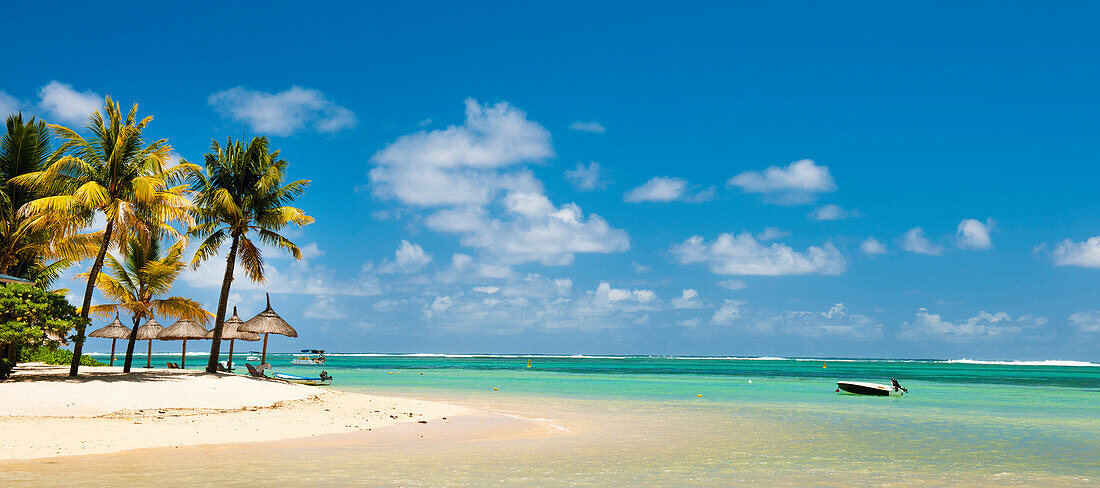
[
  {"x": 873, "y": 389},
  {"x": 323, "y": 380},
  {"x": 309, "y": 357}
]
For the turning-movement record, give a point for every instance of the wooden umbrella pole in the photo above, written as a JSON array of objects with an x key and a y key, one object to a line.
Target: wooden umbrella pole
[
  {"x": 263, "y": 357},
  {"x": 183, "y": 357},
  {"x": 149, "y": 356},
  {"x": 229, "y": 364},
  {"x": 112, "y": 352}
]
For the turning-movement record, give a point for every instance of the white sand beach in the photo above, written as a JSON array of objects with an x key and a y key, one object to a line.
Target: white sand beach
[{"x": 44, "y": 413}]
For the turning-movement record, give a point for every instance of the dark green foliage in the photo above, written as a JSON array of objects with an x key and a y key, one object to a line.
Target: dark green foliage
[
  {"x": 54, "y": 356},
  {"x": 28, "y": 314},
  {"x": 5, "y": 368}
]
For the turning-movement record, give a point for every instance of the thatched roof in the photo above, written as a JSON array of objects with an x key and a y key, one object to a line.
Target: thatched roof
[
  {"x": 151, "y": 329},
  {"x": 182, "y": 329},
  {"x": 230, "y": 330},
  {"x": 113, "y": 330},
  {"x": 268, "y": 322}
]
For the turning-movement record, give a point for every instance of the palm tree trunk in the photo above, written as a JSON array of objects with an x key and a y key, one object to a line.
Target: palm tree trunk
[
  {"x": 78, "y": 342},
  {"x": 130, "y": 345},
  {"x": 219, "y": 319}
]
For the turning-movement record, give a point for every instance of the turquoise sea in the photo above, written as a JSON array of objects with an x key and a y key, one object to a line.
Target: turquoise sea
[{"x": 682, "y": 421}]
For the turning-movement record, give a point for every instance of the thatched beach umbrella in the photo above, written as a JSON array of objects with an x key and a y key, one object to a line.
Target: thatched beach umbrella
[
  {"x": 268, "y": 322},
  {"x": 232, "y": 333},
  {"x": 183, "y": 330},
  {"x": 151, "y": 330},
  {"x": 113, "y": 331}
]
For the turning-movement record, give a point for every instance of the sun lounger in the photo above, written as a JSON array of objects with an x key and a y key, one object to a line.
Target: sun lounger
[{"x": 253, "y": 372}]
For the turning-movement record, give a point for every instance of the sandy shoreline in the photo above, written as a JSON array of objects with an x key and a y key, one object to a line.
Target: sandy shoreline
[{"x": 43, "y": 413}]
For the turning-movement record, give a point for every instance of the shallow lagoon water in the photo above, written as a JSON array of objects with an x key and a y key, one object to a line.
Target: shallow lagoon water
[{"x": 638, "y": 421}]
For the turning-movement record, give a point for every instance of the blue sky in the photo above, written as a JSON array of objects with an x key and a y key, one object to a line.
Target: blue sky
[{"x": 634, "y": 178}]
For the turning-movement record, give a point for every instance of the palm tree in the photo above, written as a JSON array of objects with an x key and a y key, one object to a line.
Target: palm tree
[
  {"x": 115, "y": 174},
  {"x": 243, "y": 191},
  {"x": 25, "y": 242},
  {"x": 144, "y": 273}
]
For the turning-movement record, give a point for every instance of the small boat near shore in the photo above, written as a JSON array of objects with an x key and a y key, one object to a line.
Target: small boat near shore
[
  {"x": 323, "y": 380},
  {"x": 872, "y": 389}
]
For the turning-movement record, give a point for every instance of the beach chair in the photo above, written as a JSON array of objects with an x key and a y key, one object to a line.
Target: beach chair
[
  {"x": 221, "y": 368},
  {"x": 253, "y": 372},
  {"x": 173, "y": 366}
]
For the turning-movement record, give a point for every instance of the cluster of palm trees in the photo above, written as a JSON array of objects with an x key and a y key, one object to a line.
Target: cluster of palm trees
[{"x": 148, "y": 211}]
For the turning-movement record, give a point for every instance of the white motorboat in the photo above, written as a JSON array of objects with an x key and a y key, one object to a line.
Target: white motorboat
[
  {"x": 873, "y": 389},
  {"x": 309, "y": 357}
]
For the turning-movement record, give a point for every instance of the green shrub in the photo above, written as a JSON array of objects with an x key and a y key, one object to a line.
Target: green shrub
[
  {"x": 54, "y": 356},
  {"x": 5, "y": 368}
]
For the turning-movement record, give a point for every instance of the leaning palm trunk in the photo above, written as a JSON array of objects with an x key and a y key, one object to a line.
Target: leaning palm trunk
[
  {"x": 78, "y": 342},
  {"x": 223, "y": 301},
  {"x": 131, "y": 343}
]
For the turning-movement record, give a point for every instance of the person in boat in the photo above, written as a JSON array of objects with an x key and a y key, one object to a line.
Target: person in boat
[
  {"x": 897, "y": 386},
  {"x": 325, "y": 376}
]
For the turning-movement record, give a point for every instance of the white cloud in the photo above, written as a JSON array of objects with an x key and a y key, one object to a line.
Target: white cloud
[
  {"x": 974, "y": 234},
  {"x": 488, "y": 290},
  {"x": 282, "y": 113},
  {"x": 587, "y": 127},
  {"x": 409, "y": 254},
  {"x": 797, "y": 183},
  {"x": 611, "y": 295},
  {"x": 472, "y": 172},
  {"x": 65, "y": 104},
  {"x": 424, "y": 122},
  {"x": 836, "y": 322},
  {"x": 728, "y": 312},
  {"x": 771, "y": 234},
  {"x": 531, "y": 229},
  {"x": 311, "y": 251},
  {"x": 295, "y": 278},
  {"x": 733, "y": 284},
  {"x": 325, "y": 308},
  {"x": 982, "y": 327},
  {"x": 688, "y": 323},
  {"x": 587, "y": 178},
  {"x": 640, "y": 268},
  {"x": 8, "y": 105},
  {"x": 1086, "y": 321},
  {"x": 872, "y": 247},
  {"x": 744, "y": 255},
  {"x": 1085, "y": 254},
  {"x": 667, "y": 189},
  {"x": 914, "y": 241},
  {"x": 832, "y": 212},
  {"x": 687, "y": 299}
]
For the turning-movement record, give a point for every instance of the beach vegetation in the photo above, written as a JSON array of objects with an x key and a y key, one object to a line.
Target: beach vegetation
[
  {"x": 115, "y": 175},
  {"x": 242, "y": 198},
  {"x": 133, "y": 283},
  {"x": 32, "y": 317}
]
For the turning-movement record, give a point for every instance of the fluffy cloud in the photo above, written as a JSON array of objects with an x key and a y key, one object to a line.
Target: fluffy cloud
[
  {"x": 65, "y": 104},
  {"x": 728, "y": 312},
  {"x": 407, "y": 258},
  {"x": 982, "y": 327},
  {"x": 974, "y": 234},
  {"x": 836, "y": 322},
  {"x": 587, "y": 127},
  {"x": 872, "y": 247},
  {"x": 771, "y": 234},
  {"x": 687, "y": 299},
  {"x": 1085, "y": 254},
  {"x": 914, "y": 241},
  {"x": 744, "y": 255},
  {"x": 471, "y": 175},
  {"x": 532, "y": 229},
  {"x": 587, "y": 178},
  {"x": 282, "y": 113},
  {"x": 8, "y": 105},
  {"x": 666, "y": 189},
  {"x": 797, "y": 183},
  {"x": 283, "y": 275},
  {"x": 1086, "y": 321},
  {"x": 832, "y": 212}
]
